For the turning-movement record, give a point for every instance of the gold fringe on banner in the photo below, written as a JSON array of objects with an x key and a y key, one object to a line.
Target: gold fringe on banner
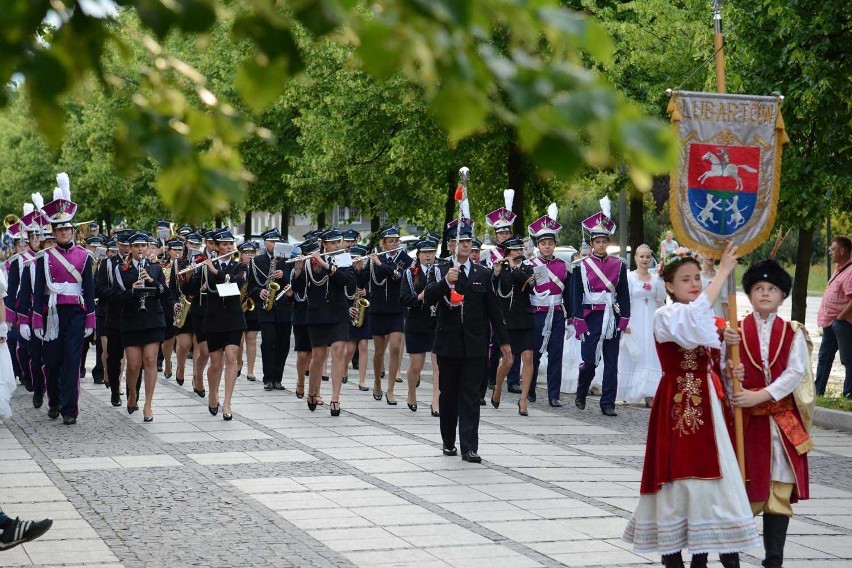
[
  {"x": 675, "y": 113},
  {"x": 779, "y": 126}
]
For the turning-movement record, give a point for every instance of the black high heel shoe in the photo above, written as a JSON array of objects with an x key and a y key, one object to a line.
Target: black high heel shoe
[
  {"x": 312, "y": 402},
  {"x": 132, "y": 409},
  {"x": 521, "y": 412},
  {"x": 179, "y": 380},
  {"x": 389, "y": 401},
  {"x": 433, "y": 411},
  {"x": 202, "y": 393},
  {"x": 213, "y": 410},
  {"x": 494, "y": 403},
  {"x": 331, "y": 407},
  {"x": 148, "y": 418},
  {"x": 227, "y": 417},
  {"x": 412, "y": 407}
]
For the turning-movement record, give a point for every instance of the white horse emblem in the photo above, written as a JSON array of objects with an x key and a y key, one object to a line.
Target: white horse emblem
[{"x": 718, "y": 169}]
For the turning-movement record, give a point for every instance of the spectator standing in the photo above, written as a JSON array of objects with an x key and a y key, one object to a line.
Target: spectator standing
[{"x": 835, "y": 317}]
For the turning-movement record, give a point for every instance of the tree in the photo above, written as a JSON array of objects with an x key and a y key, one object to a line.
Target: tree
[
  {"x": 565, "y": 115},
  {"x": 801, "y": 50}
]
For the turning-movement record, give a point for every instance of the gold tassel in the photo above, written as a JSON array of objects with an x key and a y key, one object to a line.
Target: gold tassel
[
  {"x": 674, "y": 112},
  {"x": 805, "y": 447},
  {"x": 779, "y": 126}
]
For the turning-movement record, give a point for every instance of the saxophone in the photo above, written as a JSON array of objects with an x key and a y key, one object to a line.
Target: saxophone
[
  {"x": 184, "y": 304},
  {"x": 248, "y": 303},
  {"x": 272, "y": 287},
  {"x": 361, "y": 304}
]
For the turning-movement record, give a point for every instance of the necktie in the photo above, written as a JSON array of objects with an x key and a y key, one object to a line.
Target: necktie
[{"x": 462, "y": 278}]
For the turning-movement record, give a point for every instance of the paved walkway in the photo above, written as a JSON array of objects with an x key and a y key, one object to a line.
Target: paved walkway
[{"x": 282, "y": 486}]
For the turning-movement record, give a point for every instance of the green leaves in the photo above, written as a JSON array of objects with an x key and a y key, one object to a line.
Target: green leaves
[{"x": 460, "y": 109}]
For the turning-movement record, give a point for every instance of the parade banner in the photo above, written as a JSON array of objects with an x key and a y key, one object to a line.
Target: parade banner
[{"x": 726, "y": 186}]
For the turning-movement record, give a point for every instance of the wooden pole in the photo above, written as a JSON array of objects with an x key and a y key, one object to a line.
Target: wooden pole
[{"x": 734, "y": 352}]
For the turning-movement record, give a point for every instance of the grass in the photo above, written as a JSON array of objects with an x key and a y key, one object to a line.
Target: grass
[
  {"x": 816, "y": 278},
  {"x": 839, "y": 403}
]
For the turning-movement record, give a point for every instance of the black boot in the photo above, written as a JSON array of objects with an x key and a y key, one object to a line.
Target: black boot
[
  {"x": 774, "y": 536},
  {"x": 730, "y": 559},
  {"x": 698, "y": 560},
  {"x": 673, "y": 560}
]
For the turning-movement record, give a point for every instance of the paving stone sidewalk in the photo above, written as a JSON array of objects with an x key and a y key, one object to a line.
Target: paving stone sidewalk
[{"x": 282, "y": 486}]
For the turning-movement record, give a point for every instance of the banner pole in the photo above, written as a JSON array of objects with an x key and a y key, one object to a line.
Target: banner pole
[{"x": 739, "y": 438}]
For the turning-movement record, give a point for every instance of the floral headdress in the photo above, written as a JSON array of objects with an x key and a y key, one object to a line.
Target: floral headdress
[{"x": 673, "y": 258}]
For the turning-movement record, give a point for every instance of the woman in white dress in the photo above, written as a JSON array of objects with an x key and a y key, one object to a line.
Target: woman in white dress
[
  {"x": 668, "y": 245},
  {"x": 708, "y": 273},
  {"x": 7, "y": 375},
  {"x": 638, "y": 363}
]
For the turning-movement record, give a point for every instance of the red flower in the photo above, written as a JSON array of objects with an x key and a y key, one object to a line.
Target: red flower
[
  {"x": 721, "y": 324},
  {"x": 459, "y": 193}
]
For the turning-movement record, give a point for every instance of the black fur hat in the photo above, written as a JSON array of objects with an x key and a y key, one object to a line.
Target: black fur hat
[{"x": 767, "y": 271}]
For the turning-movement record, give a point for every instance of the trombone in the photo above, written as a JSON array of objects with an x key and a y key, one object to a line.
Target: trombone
[{"x": 235, "y": 256}]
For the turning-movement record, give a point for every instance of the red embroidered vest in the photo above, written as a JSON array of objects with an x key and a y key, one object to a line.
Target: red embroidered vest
[
  {"x": 758, "y": 444},
  {"x": 681, "y": 439}
]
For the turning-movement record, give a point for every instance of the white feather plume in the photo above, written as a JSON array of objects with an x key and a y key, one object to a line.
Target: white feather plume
[
  {"x": 509, "y": 197},
  {"x": 606, "y": 206},
  {"x": 465, "y": 208},
  {"x": 28, "y": 208},
  {"x": 57, "y": 193},
  {"x": 64, "y": 184},
  {"x": 553, "y": 211},
  {"x": 38, "y": 201}
]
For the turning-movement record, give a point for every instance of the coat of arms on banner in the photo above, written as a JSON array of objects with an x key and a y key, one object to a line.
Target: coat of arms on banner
[{"x": 726, "y": 187}]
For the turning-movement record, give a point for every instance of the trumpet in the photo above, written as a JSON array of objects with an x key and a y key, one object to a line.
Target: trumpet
[
  {"x": 379, "y": 253},
  {"x": 193, "y": 265},
  {"x": 304, "y": 257}
]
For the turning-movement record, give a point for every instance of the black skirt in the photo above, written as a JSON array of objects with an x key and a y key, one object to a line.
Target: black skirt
[
  {"x": 419, "y": 342},
  {"x": 170, "y": 331},
  {"x": 383, "y": 324},
  {"x": 521, "y": 340},
  {"x": 142, "y": 337},
  {"x": 324, "y": 334},
  {"x": 301, "y": 338},
  {"x": 197, "y": 324},
  {"x": 220, "y": 339},
  {"x": 252, "y": 323},
  {"x": 359, "y": 333}
]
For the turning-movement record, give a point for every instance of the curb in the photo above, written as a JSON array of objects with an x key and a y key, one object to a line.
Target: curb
[{"x": 833, "y": 419}]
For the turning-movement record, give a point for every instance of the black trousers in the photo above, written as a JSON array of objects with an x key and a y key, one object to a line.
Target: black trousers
[
  {"x": 62, "y": 359},
  {"x": 459, "y": 400},
  {"x": 115, "y": 353},
  {"x": 274, "y": 348},
  {"x": 98, "y": 369}
]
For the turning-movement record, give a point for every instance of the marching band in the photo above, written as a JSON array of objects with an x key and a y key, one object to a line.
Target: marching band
[{"x": 149, "y": 302}]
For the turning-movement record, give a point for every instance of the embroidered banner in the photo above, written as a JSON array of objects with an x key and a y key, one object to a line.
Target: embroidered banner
[{"x": 726, "y": 187}]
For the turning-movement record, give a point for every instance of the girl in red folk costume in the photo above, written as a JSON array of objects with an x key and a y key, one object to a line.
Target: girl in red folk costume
[
  {"x": 692, "y": 494},
  {"x": 776, "y": 399}
]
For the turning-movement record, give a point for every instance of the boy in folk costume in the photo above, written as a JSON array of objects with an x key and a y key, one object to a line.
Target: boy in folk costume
[{"x": 776, "y": 395}]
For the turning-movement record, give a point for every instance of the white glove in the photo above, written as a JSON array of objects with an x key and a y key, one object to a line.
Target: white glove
[
  {"x": 4, "y": 330},
  {"x": 39, "y": 333},
  {"x": 25, "y": 331},
  {"x": 88, "y": 331}
]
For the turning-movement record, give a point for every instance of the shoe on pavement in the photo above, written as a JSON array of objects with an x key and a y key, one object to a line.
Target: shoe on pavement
[
  {"x": 18, "y": 532},
  {"x": 471, "y": 457},
  {"x": 609, "y": 412},
  {"x": 514, "y": 389},
  {"x": 450, "y": 450},
  {"x": 555, "y": 402},
  {"x": 580, "y": 403}
]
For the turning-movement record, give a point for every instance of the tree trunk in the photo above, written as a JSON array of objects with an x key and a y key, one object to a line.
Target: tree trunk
[
  {"x": 515, "y": 171},
  {"x": 803, "y": 269},
  {"x": 321, "y": 220},
  {"x": 247, "y": 226},
  {"x": 218, "y": 221},
  {"x": 375, "y": 225},
  {"x": 285, "y": 223},
  {"x": 449, "y": 210},
  {"x": 637, "y": 223}
]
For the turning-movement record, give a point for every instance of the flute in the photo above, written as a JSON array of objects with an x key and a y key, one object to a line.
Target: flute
[{"x": 302, "y": 258}]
